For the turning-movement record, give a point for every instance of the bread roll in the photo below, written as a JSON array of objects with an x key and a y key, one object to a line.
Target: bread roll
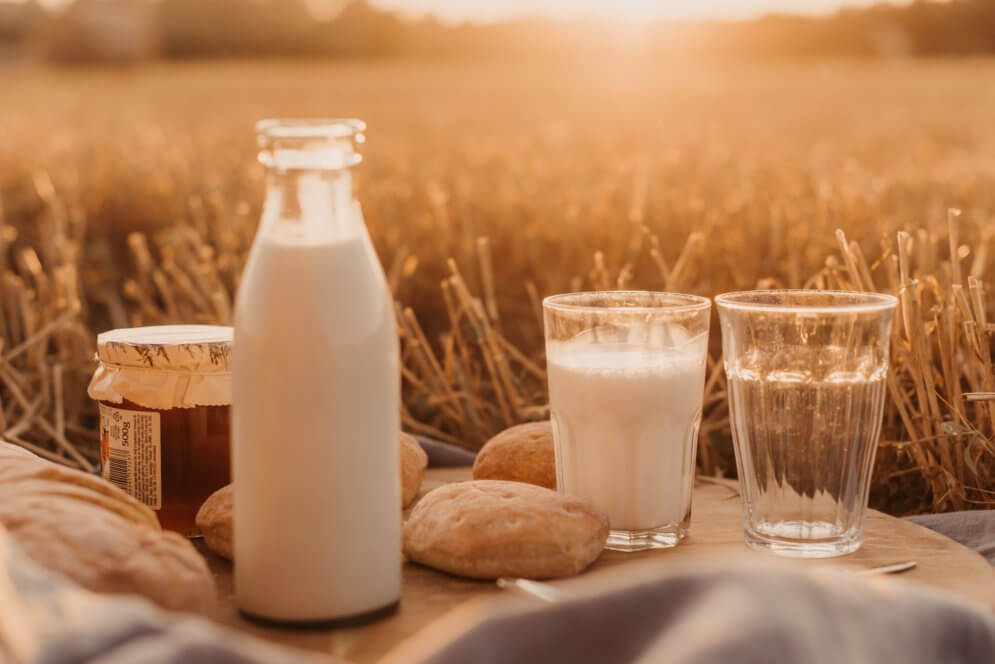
[
  {"x": 523, "y": 453},
  {"x": 214, "y": 520},
  {"x": 92, "y": 533},
  {"x": 487, "y": 529},
  {"x": 414, "y": 461}
]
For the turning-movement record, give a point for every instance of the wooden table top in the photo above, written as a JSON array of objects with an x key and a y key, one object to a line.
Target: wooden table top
[{"x": 716, "y": 530}]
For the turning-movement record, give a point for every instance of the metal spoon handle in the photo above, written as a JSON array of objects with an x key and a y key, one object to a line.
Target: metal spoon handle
[
  {"x": 893, "y": 568},
  {"x": 534, "y": 589}
]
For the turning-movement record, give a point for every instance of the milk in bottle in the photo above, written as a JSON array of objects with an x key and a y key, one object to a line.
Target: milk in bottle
[{"x": 315, "y": 413}]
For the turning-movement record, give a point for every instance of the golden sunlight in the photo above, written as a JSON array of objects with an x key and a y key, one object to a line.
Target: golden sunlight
[{"x": 632, "y": 10}]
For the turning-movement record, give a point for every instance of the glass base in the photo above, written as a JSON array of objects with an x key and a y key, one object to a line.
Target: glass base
[
  {"x": 821, "y": 547},
  {"x": 664, "y": 537}
]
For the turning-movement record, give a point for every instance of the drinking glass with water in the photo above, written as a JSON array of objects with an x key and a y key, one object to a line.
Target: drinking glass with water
[{"x": 806, "y": 373}]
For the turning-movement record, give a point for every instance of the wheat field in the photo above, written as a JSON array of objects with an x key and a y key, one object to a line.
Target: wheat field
[{"x": 130, "y": 197}]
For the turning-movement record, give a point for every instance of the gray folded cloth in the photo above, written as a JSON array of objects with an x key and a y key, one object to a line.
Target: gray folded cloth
[
  {"x": 444, "y": 455},
  {"x": 974, "y": 529},
  {"x": 744, "y": 616}
]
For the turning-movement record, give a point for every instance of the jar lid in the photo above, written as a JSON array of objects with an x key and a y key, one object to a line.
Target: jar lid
[
  {"x": 163, "y": 367},
  {"x": 184, "y": 348}
]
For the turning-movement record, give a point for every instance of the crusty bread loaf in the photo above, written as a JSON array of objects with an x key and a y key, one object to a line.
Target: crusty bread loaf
[
  {"x": 487, "y": 529},
  {"x": 89, "y": 531},
  {"x": 523, "y": 453},
  {"x": 215, "y": 519},
  {"x": 414, "y": 461},
  {"x": 18, "y": 467}
]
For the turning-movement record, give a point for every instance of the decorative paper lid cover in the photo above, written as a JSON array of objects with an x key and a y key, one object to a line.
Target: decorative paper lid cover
[
  {"x": 192, "y": 348},
  {"x": 167, "y": 366}
]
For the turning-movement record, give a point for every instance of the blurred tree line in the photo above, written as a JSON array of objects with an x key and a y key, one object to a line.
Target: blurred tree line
[
  {"x": 125, "y": 30},
  {"x": 198, "y": 28},
  {"x": 923, "y": 28}
]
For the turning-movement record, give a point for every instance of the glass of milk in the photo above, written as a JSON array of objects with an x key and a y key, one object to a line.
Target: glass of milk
[{"x": 626, "y": 382}]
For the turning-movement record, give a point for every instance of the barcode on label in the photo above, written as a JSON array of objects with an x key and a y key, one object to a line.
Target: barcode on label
[
  {"x": 130, "y": 452},
  {"x": 120, "y": 469}
]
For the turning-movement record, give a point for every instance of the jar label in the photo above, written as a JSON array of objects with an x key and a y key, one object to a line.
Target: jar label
[{"x": 130, "y": 453}]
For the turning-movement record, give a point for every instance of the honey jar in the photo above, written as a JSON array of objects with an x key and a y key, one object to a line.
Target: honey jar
[{"x": 165, "y": 396}]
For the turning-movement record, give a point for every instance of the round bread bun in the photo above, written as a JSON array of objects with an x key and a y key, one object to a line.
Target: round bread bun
[
  {"x": 485, "y": 529},
  {"x": 214, "y": 520},
  {"x": 523, "y": 453},
  {"x": 414, "y": 461}
]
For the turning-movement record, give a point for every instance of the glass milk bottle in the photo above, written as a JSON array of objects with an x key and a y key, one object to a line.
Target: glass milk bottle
[{"x": 316, "y": 393}]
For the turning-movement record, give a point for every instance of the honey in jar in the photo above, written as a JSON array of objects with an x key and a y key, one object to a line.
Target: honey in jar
[{"x": 165, "y": 395}]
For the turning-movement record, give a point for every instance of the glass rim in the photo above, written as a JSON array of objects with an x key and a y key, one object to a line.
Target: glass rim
[
  {"x": 863, "y": 301},
  {"x": 311, "y": 128},
  {"x": 560, "y": 302}
]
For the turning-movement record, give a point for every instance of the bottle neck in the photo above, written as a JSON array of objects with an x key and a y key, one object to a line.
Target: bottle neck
[
  {"x": 309, "y": 188},
  {"x": 311, "y": 204}
]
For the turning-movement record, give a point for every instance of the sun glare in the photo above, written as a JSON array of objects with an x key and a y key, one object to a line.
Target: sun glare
[
  {"x": 634, "y": 10},
  {"x": 624, "y": 10}
]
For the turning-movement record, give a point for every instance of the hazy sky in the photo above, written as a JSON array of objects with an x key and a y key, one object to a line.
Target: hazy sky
[
  {"x": 492, "y": 10},
  {"x": 489, "y": 10}
]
